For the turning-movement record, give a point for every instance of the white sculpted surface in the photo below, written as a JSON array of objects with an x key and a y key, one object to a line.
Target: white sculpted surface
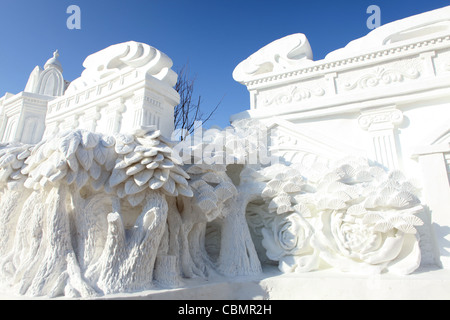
[
  {"x": 86, "y": 214},
  {"x": 280, "y": 55},
  {"x": 123, "y": 57}
]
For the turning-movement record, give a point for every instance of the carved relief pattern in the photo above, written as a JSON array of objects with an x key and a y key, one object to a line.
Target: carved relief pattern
[
  {"x": 382, "y": 76},
  {"x": 294, "y": 94},
  {"x": 393, "y": 116}
]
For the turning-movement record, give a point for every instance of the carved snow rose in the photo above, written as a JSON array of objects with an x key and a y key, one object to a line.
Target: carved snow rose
[
  {"x": 352, "y": 240},
  {"x": 288, "y": 235}
]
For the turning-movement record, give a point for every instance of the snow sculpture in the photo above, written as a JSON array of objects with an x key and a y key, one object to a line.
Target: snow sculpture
[
  {"x": 86, "y": 214},
  {"x": 280, "y": 55},
  {"x": 356, "y": 217}
]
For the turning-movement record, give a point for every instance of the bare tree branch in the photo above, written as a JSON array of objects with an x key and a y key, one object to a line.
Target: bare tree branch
[{"x": 187, "y": 112}]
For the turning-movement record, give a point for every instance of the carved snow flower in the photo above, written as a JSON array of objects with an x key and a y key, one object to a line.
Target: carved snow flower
[
  {"x": 360, "y": 241},
  {"x": 287, "y": 240}
]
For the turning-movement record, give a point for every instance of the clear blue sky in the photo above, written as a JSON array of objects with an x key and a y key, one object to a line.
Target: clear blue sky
[{"x": 212, "y": 35}]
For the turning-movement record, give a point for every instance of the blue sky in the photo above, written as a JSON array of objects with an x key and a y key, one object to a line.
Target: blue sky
[{"x": 212, "y": 36}]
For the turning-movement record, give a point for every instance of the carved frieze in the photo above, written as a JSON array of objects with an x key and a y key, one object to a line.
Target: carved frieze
[{"x": 381, "y": 76}]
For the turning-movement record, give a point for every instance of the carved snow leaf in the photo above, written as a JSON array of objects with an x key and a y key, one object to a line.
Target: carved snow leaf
[
  {"x": 132, "y": 188},
  {"x": 303, "y": 210},
  {"x": 155, "y": 183},
  {"x": 134, "y": 169},
  {"x": 333, "y": 204},
  {"x": 280, "y": 204},
  {"x": 181, "y": 172},
  {"x": 383, "y": 226},
  {"x": 197, "y": 184},
  {"x": 95, "y": 170},
  {"x": 269, "y": 192},
  {"x": 357, "y": 210},
  {"x": 124, "y": 148},
  {"x": 176, "y": 159},
  {"x": 170, "y": 187},
  {"x": 151, "y": 152},
  {"x": 178, "y": 178},
  {"x": 117, "y": 176},
  {"x": 275, "y": 184},
  {"x": 369, "y": 217},
  {"x": 161, "y": 174},
  {"x": 405, "y": 223},
  {"x": 184, "y": 191},
  {"x": 132, "y": 157},
  {"x": 25, "y": 154},
  {"x": 101, "y": 181},
  {"x": 89, "y": 140},
  {"x": 69, "y": 143},
  {"x": 7, "y": 160},
  {"x": 136, "y": 199},
  {"x": 166, "y": 164},
  {"x": 363, "y": 176},
  {"x": 225, "y": 190},
  {"x": 85, "y": 157},
  {"x": 143, "y": 177},
  {"x": 208, "y": 194},
  {"x": 71, "y": 176},
  {"x": 206, "y": 205},
  {"x": 82, "y": 178},
  {"x": 211, "y": 177},
  {"x": 291, "y": 187},
  {"x": 404, "y": 199},
  {"x": 152, "y": 165},
  {"x": 107, "y": 141},
  {"x": 396, "y": 175},
  {"x": 158, "y": 158}
]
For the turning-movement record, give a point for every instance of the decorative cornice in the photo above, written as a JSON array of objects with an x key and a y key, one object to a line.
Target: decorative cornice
[{"x": 329, "y": 66}]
